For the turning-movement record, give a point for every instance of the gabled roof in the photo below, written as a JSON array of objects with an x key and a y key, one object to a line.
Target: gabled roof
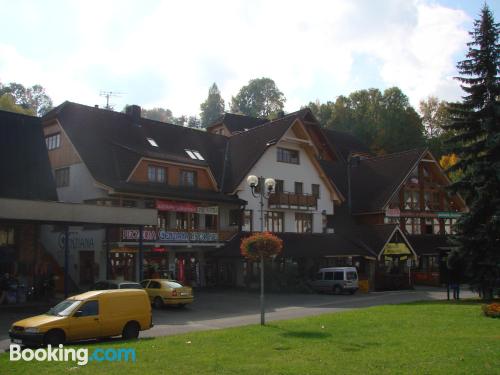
[
  {"x": 24, "y": 161},
  {"x": 112, "y": 143},
  {"x": 238, "y": 123},
  {"x": 246, "y": 148},
  {"x": 373, "y": 180},
  {"x": 344, "y": 143}
]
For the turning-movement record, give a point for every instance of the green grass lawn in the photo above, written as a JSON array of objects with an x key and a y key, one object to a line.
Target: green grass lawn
[{"x": 417, "y": 338}]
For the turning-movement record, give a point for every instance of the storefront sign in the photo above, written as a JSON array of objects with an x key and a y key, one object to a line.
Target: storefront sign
[
  {"x": 162, "y": 205},
  {"x": 396, "y": 249},
  {"x": 392, "y": 212},
  {"x": 133, "y": 234},
  {"x": 449, "y": 215},
  {"x": 213, "y": 210},
  {"x": 419, "y": 214},
  {"x": 77, "y": 242},
  {"x": 164, "y": 236}
]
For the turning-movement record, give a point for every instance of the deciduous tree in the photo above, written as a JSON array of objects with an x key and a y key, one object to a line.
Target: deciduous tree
[{"x": 260, "y": 98}]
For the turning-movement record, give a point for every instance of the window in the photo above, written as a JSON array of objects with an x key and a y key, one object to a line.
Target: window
[
  {"x": 163, "y": 219},
  {"x": 62, "y": 177},
  {"x": 144, "y": 283},
  {"x": 181, "y": 220},
  {"x": 6, "y": 236},
  {"x": 412, "y": 199},
  {"x": 338, "y": 275},
  {"x": 247, "y": 221},
  {"x": 288, "y": 156},
  {"x": 274, "y": 221},
  {"x": 279, "y": 187},
  {"x": 299, "y": 188},
  {"x": 449, "y": 226},
  {"x": 157, "y": 174},
  {"x": 234, "y": 217},
  {"x": 152, "y": 142},
  {"x": 315, "y": 190},
  {"x": 193, "y": 154},
  {"x": 89, "y": 308},
  {"x": 303, "y": 222},
  {"x": 194, "y": 221},
  {"x": 412, "y": 225},
  {"x": 328, "y": 276},
  {"x": 188, "y": 178},
  {"x": 53, "y": 141},
  {"x": 211, "y": 222},
  {"x": 154, "y": 285}
]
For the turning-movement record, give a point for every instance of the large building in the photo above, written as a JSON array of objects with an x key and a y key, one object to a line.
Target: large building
[{"x": 334, "y": 203}]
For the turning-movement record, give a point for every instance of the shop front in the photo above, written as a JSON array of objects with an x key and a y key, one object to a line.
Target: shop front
[{"x": 395, "y": 265}]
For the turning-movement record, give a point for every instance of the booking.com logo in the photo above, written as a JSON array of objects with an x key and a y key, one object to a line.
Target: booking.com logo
[{"x": 80, "y": 356}]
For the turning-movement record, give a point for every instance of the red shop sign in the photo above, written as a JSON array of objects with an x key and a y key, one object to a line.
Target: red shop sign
[{"x": 162, "y": 205}]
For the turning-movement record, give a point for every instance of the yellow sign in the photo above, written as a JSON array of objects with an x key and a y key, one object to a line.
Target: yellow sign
[{"x": 396, "y": 249}]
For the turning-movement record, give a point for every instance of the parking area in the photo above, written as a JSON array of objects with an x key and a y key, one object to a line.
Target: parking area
[{"x": 215, "y": 309}]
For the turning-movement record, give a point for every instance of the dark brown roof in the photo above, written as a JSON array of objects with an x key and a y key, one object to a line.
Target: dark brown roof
[
  {"x": 111, "y": 143},
  {"x": 373, "y": 180},
  {"x": 299, "y": 245},
  {"x": 238, "y": 123},
  {"x": 345, "y": 143},
  {"x": 24, "y": 161},
  {"x": 246, "y": 148},
  {"x": 429, "y": 243}
]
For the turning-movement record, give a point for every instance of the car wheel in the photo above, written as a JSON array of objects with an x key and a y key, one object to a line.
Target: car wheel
[
  {"x": 54, "y": 338},
  {"x": 130, "y": 331},
  {"x": 158, "y": 303},
  {"x": 337, "y": 289}
]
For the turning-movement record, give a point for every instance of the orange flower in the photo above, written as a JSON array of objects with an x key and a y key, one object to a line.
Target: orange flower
[{"x": 261, "y": 244}]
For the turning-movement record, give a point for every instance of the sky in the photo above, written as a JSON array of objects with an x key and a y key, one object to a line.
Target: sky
[{"x": 168, "y": 53}]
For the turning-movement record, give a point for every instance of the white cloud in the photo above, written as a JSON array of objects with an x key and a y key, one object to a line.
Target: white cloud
[{"x": 168, "y": 54}]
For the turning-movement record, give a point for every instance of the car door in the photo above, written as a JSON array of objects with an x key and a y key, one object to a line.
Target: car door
[
  {"x": 85, "y": 322},
  {"x": 153, "y": 290}
]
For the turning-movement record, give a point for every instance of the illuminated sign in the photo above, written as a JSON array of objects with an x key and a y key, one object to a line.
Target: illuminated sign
[{"x": 396, "y": 249}]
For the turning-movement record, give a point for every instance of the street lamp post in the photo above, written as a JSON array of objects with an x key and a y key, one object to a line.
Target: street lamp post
[{"x": 264, "y": 193}]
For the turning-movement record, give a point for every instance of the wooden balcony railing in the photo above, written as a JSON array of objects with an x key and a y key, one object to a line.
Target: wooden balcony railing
[{"x": 292, "y": 200}]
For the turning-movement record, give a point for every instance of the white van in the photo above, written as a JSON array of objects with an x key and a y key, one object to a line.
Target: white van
[{"x": 336, "y": 280}]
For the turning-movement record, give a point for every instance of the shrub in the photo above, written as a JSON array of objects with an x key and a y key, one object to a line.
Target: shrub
[{"x": 492, "y": 310}]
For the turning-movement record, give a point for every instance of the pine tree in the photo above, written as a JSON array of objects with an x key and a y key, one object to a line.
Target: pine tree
[
  {"x": 476, "y": 141},
  {"x": 212, "y": 108}
]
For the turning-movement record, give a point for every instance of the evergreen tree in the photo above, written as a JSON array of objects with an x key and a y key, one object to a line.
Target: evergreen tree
[
  {"x": 476, "y": 141},
  {"x": 212, "y": 108}
]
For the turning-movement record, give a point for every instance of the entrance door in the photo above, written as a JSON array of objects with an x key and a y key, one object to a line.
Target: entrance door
[{"x": 86, "y": 267}]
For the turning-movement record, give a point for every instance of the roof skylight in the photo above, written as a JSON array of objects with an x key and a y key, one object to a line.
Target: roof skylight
[
  {"x": 152, "y": 142},
  {"x": 193, "y": 154}
]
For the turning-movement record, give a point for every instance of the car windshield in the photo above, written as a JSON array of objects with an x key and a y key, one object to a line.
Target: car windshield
[
  {"x": 351, "y": 275},
  {"x": 130, "y": 286},
  {"x": 172, "y": 284},
  {"x": 64, "y": 308}
]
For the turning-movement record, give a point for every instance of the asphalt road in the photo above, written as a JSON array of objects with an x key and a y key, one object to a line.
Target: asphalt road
[{"x": 222, "y": 309}]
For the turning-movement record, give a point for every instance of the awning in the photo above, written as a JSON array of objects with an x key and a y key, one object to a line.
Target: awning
[{"x": 74, "y": 213}]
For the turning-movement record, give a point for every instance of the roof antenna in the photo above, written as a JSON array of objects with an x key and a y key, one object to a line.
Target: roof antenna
[{"x": 107, "y": 95}]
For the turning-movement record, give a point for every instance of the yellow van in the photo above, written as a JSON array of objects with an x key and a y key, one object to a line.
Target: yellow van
[{"x": 94, "y": 314}]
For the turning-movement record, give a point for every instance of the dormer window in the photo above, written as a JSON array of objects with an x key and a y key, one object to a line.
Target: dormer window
[
  {"x": 152, "y": 142},
  {"x": 193, "y": 154}
]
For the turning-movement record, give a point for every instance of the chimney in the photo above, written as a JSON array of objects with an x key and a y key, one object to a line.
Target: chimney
[
  {"x": 96, "y": 105},
  {"x": 133, "y": 111}
]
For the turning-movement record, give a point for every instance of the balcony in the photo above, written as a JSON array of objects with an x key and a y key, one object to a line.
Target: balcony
[{"x": 293, "y": 201}]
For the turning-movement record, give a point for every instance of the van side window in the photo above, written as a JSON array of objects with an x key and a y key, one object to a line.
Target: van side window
[
  {"x": 328, "y": 275},
  {"x": 154, "y": 285},
  {"x": 90, "y": 308},
  {"x": 338, "y": 275}
]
